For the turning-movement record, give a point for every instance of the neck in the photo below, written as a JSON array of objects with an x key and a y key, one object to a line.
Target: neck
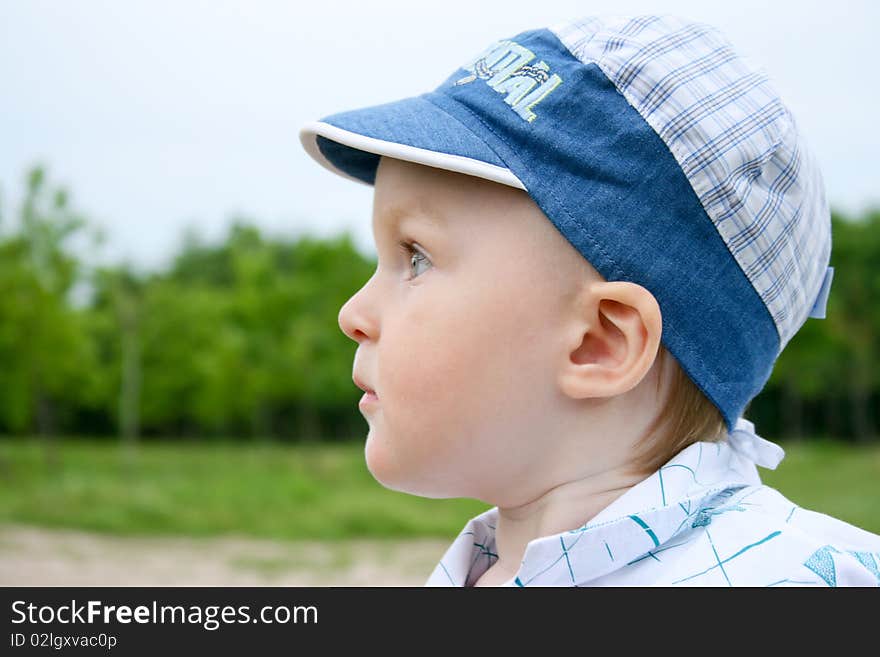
[{"x": 564, "y": 507}]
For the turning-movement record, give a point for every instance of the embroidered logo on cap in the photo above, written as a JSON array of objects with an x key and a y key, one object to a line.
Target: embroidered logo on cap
[{"x": 505, "y": 67}]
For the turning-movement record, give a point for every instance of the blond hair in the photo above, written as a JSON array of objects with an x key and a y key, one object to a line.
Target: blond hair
[{"x": 686, "y": 417}]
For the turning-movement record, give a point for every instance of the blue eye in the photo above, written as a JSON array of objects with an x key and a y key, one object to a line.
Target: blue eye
[{"x": 415, "y": 254}]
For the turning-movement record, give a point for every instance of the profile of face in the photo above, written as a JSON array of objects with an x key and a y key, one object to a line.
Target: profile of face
[
  {"x": 485, "y": 336},
  {"x": 452, "y": 331}
]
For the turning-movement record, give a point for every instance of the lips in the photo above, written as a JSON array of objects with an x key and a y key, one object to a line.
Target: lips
[{"x": 363, "y": 386}]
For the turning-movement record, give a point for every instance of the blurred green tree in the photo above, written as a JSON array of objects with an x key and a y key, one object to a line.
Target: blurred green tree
[
  {"x": 240, "y": 338},
  {"x": 45, "y": 353}
]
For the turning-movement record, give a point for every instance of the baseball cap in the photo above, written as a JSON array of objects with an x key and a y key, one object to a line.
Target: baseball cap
[{"x": 664, "y": 156}]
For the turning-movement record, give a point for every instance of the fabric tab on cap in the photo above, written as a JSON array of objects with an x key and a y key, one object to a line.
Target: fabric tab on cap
[
  {"x": 818, "y": 311},
  {"x": 746, "y": 442}
]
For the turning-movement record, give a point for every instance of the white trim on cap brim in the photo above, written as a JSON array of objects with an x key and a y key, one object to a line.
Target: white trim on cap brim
[{"x": 457, "y": 163}]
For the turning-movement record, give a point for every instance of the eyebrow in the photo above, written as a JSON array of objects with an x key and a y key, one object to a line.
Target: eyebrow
[{"x": 417, "y": 211}]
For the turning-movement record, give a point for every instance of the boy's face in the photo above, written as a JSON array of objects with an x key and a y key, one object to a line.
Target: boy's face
[{"x": 460, "y": 343}]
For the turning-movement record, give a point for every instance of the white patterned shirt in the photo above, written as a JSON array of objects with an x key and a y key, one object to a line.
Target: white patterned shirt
[{"x": 702, "y": 519}]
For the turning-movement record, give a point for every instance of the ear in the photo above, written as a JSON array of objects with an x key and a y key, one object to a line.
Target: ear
[{"x": 614, "y": 335}]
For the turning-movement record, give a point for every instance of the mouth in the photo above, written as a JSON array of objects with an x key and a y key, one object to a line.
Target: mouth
[
  {"x": 369, "y": 392},
  {"x": 368, "y": 402}
]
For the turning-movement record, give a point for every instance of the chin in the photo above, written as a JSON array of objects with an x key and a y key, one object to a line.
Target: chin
[
  {"x": 388, "y": 472},
  {"x": 380, "y": 464}
]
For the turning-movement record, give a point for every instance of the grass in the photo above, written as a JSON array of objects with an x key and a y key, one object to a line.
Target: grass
[
  {"x": 204, "y": 489},
  {"x": 831, "y": 477},
  {"x": 318, "y": 491}
]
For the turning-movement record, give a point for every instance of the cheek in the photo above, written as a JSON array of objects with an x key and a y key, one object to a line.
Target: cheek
[
  {"x": 441, "y": 359},
  {"x": 432, "y": 360},
  {"x": 457, "y": 369},
  {"x": 422, "y": 364},
  {"x": 417, "y": 354}
]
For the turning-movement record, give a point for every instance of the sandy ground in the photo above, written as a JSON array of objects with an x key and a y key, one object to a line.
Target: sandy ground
[{"x": 50, "y": 557}]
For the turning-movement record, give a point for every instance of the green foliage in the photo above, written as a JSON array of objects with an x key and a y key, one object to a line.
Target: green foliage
[
  {"x": 44, "y": 347},
  {"x": 235, "y": 338},
  {"x": 242, "y": 338}
]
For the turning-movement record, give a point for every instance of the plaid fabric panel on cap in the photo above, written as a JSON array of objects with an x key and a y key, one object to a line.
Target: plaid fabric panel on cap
[{"x": 735, "y": 140}]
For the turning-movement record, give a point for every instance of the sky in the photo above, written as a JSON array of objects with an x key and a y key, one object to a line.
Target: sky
[{"x": 161, "y": 117}]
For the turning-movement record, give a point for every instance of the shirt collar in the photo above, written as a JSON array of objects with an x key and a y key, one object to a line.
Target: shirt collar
[{"x": 642, "y": 519}]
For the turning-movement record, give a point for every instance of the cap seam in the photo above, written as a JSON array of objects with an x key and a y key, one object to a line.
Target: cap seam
[{"x": 698, "y": 188}]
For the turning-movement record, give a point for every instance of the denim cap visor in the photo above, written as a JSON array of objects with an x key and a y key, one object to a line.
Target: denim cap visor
[
  {"x": 659, "y": 154},
  {"x": 412, "y": 129}
]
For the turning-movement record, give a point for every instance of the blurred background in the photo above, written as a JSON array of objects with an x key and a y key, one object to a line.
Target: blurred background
[{"x": 176, "y": 403}]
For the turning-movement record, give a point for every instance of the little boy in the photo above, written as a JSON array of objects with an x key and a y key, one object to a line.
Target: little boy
[{"x": 594, "y": 241}]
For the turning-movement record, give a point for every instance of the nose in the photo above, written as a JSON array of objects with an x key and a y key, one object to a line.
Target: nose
[{"x": 356, "y": 317}]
